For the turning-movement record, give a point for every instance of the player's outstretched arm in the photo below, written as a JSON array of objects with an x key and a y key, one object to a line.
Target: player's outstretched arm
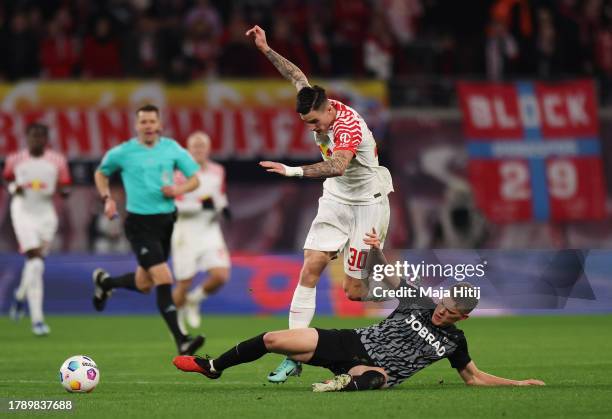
[
  {"x": 472, "y": 376},
  {"x": 329, "y": 168},
  {"x": 287, "y": 69}
]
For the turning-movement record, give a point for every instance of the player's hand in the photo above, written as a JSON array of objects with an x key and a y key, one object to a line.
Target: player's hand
[
  {"x": 110, "y": 209},
  {"x": 531, "y": 382},
  {"x": 15, "y": 189},
  {"x": 208, "y": 204},
  {"x": 259, "y": 35},
  {"x": 170, "y": 191},
  {"x": 372, "y": 239},
  {"x": 273, "y": 167}
]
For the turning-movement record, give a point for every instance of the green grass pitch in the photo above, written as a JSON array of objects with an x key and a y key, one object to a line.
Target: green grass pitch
[{"x": 571, "y": 353}]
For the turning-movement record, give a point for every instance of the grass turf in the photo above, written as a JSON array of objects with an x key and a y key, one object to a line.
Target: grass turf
[{"x": 570, "y": 353}]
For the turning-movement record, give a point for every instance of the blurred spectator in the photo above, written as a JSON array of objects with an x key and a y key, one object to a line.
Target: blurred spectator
[
  {"x": 590, "y": 25},
  {"x": 350, "y": 23},
  {"x": 239, "y": 57},
  {"x": 200, "y": 47},
  {"x": 288, "y": 46},
  {"x": 403, "y": 17},
  {"x": 141, "y": 49},
  {"x": 547, "y": 57},
  {"x": 4, "y": 40},
  {"x": 378, "y": 49},
  {"x": 21, "y": 49},
  {"x": 603, "y": 54},
  {"x": 569, "y": 36},
  {"x": 501, "y": 51},
  {"x": 101, "y": 52},
  {"x": 58, "y": 50}
]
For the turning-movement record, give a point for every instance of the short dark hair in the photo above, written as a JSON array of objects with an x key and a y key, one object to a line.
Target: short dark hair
[
  {"x": 148, "y": 108},
  {"x": 37, "y": 126},
  {"x": 465, "y": 304},
  {"x": 310, "y": 98}
]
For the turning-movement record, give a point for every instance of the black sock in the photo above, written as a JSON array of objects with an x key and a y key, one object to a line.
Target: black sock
[
  {"x": 369, "y": 380},
  {"x": 127, "y": 281},
  {"x": 246, "y": 351},
  {"x": 168, "y": 311}
]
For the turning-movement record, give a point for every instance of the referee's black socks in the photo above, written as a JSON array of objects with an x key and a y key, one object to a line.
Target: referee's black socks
[
  {"x": 168, "y": 310},
  {"x": 127, "y": 281},
  {"x": 246, "y": 351}
]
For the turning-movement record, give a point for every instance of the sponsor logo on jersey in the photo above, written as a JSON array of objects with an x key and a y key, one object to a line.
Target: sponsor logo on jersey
[{"x": 423, "y": 332}]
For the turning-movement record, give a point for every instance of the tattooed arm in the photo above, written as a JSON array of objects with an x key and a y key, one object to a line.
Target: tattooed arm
[
  {"x": 287, "y": 69},
  {"x": 329, "y": 168}
]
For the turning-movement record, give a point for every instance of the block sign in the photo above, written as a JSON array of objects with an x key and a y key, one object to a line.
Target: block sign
[{"x": 534, "y": 150}]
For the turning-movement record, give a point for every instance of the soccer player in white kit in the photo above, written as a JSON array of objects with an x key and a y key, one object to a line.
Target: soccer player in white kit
[
  {"x": 34, "y": 174},
  {"x": 354, "y": 197},
  {"x": 197, "y": 240}
]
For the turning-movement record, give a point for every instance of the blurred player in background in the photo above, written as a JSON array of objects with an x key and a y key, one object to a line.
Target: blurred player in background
[
  {"x": 147, "y": 164},
  {"x": 34, "y": 175},
  {"x": 197, "y": 241},
  {"x": 354, "y": 193}
]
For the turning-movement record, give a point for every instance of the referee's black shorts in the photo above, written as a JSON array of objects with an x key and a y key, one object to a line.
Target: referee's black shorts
[
  {"x": 339, "y": 350},
  {"x": 150, "y": 237}
]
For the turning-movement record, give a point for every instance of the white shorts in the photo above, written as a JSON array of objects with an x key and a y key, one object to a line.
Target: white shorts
[
  {"x": 34, "y": 231},
  {"x": 341, "y": 228},
  {"x": 193, "y": 253}
]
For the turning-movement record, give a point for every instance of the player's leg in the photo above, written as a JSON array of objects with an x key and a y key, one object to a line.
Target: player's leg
[
  {"x": 141, "y": 238},
  {"x": 162, "y": 278},
  {"x": 358, "y": 378},
  {"x": 30, "y": 245},
  {"x": 327, "y": 235},
  {"x": 216, "y": 263},
  {"x": 35, "y": 290},
  {"x": 367, "y": 217},
  {"x": 185, "y": 255},
  {"x": 104, "y": 284},
  {"x": 300, "y": 344}
]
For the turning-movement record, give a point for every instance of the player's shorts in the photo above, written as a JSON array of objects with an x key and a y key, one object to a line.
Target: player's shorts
[
  {"x": 149, "y": 236},
  {"x": 197, "y": 247},
  {"x": 34, "y": 231},
  {"x": 187, "y": 263},
  {"x": 341, "y": 228},
  {"x": 339, "y": 350}
]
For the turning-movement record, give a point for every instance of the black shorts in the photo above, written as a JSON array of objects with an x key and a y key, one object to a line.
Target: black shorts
[
  {"x": 339, "y": 350},
  {"x": 150, "y": 237}
]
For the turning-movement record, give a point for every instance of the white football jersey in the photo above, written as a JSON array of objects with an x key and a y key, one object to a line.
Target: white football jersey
[
  {"x": 365, "y": 181},
  {"x": 38, "y": 177},
  {"x": 203, "y": 224}
]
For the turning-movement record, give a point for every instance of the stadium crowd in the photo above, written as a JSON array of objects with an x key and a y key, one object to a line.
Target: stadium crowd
[{"x": 181, "y": 40}]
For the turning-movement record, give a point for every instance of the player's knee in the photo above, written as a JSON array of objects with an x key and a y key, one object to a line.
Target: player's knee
[
  {"x": 270, "y": 340},
  {"x": 145, "y": 288},
  {"x": 221, "y": 277}
]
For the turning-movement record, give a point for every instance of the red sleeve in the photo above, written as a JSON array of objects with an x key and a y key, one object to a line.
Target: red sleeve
[
  {"x": 347, "y": 134},
  {"x": 9, "y": 169},
  {"x": 64, "y": 173}
]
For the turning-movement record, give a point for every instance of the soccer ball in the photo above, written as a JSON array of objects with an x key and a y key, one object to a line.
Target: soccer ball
[{"x": 79, "y": 374}]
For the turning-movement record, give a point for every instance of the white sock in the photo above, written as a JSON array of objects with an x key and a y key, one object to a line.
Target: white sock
[
  {"x": 302, "y": 307},
  {"x": 34, "y": 290},
  {"x": 28, "y": 270},
  {"x": 197, "y": 295}
]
